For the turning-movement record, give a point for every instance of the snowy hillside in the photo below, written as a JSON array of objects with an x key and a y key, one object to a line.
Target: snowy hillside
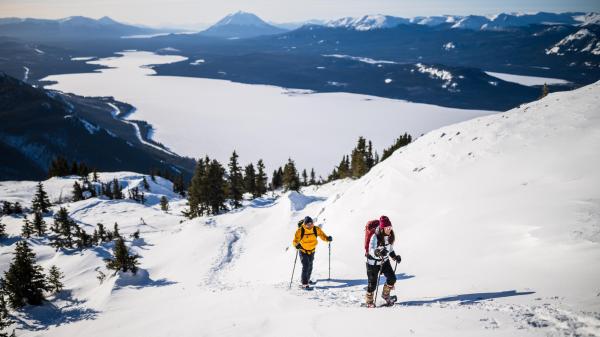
[{"x": 497, "y": 220}]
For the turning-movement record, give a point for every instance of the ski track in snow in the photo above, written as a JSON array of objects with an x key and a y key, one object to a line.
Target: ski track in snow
[{"x": 231, "y": 250}]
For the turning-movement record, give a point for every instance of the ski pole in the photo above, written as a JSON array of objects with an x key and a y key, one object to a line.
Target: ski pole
[
  {"x": 329, "y": 278},
  {"x": 377, "y": 288},
  {"x": 294, "y": 269}
]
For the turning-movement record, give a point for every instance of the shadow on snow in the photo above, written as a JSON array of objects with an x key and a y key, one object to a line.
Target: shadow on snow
[
  {"x": 469, "y": 298},
  {"x": 357, "y": 282}
]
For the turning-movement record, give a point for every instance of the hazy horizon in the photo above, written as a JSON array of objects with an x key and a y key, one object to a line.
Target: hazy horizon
[{"x": 181, "y": 13}]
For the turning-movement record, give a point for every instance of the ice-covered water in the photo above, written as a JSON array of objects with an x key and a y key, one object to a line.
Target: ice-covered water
[{"x": 198, "y": 116}]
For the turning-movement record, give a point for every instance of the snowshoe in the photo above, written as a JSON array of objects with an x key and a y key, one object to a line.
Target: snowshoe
[
  {"x": 312, "y": 282},
  {"x": 306, "y": 287},
  {"x": 390, "y": 301}
]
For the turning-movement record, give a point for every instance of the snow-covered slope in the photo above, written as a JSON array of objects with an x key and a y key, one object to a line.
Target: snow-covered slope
[
  {"x": 582, "y": 41},
  {"x": 241, "y": 25},
  {"x": 368, "y": 22},
  {"x": 497, "y": 220}
]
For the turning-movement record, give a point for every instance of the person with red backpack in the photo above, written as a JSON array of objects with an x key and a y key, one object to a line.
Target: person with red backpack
[
  {"x": 379, "y": 248},
  {"x": 305, "y": 241}
]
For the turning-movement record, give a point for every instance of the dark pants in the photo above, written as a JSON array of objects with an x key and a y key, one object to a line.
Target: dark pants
[
  {"x": 373, "y": 272},
  {"x": 307, "y": 264}
]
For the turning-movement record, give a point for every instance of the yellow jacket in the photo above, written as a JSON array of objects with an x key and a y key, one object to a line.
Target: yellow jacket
[{"x": 309, "y": 241}]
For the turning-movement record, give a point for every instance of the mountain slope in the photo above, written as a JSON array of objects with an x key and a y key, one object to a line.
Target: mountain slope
[
  {"x": 496, "y": 221},
  {"x": 39, "y": 125}
]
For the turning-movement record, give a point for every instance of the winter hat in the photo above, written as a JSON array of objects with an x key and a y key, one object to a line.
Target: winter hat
[
  {"x": 384, "y": 222},
  {"x": 308, "y": 219}
]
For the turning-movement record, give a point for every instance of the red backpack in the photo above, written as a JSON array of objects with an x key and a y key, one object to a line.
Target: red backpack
[{"x": 369, "y": 231}]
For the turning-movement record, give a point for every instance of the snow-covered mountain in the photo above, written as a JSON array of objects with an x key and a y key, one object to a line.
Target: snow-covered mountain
[
  {"x": 368, "y": 22},
  {"x": 496, "y": 221},
  {"x": 585, "y": 40},
  {"x": 500, "y": 21},
  {"x": 241, "y": 25}
]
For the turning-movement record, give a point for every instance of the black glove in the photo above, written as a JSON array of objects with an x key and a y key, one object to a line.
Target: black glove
[
  {"x": 298, "y": 246},
  {"x": 381, "y": 252},
  {"x": 329, "y": 238},
  {"x": 397, "y": 258}
]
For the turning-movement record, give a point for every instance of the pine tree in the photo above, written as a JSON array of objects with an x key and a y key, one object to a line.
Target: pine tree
[
  {"x": 77, "y": 192},
  {"x": 235, "y": 182},
  {"x": 116, "y": 190},
  {"x": 5, "y": 320},
  {"x": 24, "y": 280},
  {"x": 304, "y": 178},
  {"x": 358, "y": 159},
  {"x": 401, "y": 141},
  {"x": 17, "y": 208},
  {"x": 115, "y": 231},
  {"x": 261, "y": 179},
  {"x": 40, "y": 202},
  {"x": 2, "y": 231},
  {"x": 369, "y": 157},
  {"x": 53, "y": 280},
  {"x": 6, "y": 208},
  {"x": 95, "y": 176},
  {"x": 215, "y": 186},
  {"x": 545, "y": 91},
  {"x": 122, "y": 260},
  {"x": 59, "y": 167},
  {"x": 63, "y": 227},
  {"x": 179, "y": 185},
  {"x": 102, "y": 233},
  {"x": 164, "y": 203},
  {"x": 291, "y": 180},
  {"x": 277, "y": 179},
  {"x": 197, "y": 190},
  {"x": 39, "y": 225},
  {"x": 145, "y": 184},
  {"x": 27, "y": 229},
  {"x": 250, "y": 179},
  {"x": 313, "y": 180},
  {"x": 82, "y": 239}
]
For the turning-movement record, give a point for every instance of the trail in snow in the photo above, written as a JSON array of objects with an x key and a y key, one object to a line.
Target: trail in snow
[{"x": 231, "y": 250}]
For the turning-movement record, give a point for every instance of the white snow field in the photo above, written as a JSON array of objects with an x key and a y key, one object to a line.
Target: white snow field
[
  {"x": 199, "y": 116},
  {"x": 497, "y": 220}
]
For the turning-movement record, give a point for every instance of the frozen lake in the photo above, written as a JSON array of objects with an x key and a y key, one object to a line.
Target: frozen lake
[{"x": 197, "y": 116}]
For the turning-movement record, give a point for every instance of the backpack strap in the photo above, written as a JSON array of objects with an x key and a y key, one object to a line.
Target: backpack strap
[
  {"x": 315, "y": 230},
  {"x": 301, "y": 232}
]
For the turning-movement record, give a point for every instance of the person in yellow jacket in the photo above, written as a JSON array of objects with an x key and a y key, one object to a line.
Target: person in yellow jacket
[{"x": 305, "y": 241}]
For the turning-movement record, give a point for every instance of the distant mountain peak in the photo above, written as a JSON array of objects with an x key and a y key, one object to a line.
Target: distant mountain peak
[
  {"x": 241, "y": 18},
  {"x": 241, "y": 25}
]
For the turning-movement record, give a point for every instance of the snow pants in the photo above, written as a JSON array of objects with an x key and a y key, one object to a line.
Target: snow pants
[
  {"x": 307, "y": 265},
  {"x": 373, "y": 272}
]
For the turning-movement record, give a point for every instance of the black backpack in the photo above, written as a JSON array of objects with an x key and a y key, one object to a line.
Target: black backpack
[{"x": 300, "y": 223}]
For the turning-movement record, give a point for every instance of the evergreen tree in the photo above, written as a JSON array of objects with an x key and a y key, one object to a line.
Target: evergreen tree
[
  {"x": 313, "y": 180},
  {"x": 215, "y": 185},
  {"x": 277, "y": 179},
  {"x": 291, "y": 180},
  {"x": 27, "y": 229},
  {"x": 63, "y": 227},
  {"x": 179, "y": 185},
  {"x": 59, "y": 167},
  {"x": 545, "y": 91},
  {"x": 40, "y": 202},
  {"x": 250, "y": 179},
  {"x": 197, "y": 190},
  {"x": 95, "y": 176},
  {"x": 359, "y": 159},
  {"x": 17, "y": 208},
  {"x": 261, "y": 179},
  {"x": 102, "y": 233},
  {"x": 77, "y": 192},
  {"x": 115, "y": 231},
  {"x": 116, "y": 190},
  {"x": 401, "y": 141},
  {"x": 122, "y": 260},
  {"x": 39, "y": 225},
  {"x": 164, "y": 203},
  {"x": 5, "y": 320},
  {"x": 24, "y": 280},
  {"x": 304, "y": 178},
  {"x": 54, "y": 280},
  {"x": 145, "y": 184},
  {"x": 2, "y": 231},
  {"x": 74, "y": 168},
  {"x": 369, "y": 157},
  {"x": 6, "y": 208},
  {"x": 82, "y": 239},
  {"x": 235, "y": 182}
]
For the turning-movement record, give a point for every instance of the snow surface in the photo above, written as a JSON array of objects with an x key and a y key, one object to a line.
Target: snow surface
[
  {"x": 497, "y": 222},
  {"x": 193, "y": 116},
  {"x": 527, "y": 80},
  {"x": 360, "y": 59}
]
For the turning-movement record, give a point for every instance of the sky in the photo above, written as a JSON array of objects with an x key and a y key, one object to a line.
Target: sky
[{"x": 202, "y": 12}]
